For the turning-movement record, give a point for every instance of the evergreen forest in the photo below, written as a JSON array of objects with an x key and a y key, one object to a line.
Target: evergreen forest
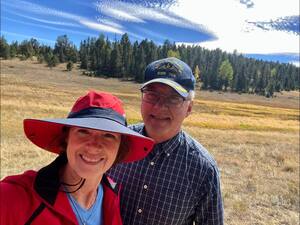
[{"x": 213, "y": 69}]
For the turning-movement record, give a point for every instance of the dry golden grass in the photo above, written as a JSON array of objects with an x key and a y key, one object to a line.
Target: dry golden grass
[{"x": 255, "y": 140}]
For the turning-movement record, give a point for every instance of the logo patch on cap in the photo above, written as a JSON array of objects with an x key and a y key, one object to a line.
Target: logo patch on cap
[{"x": 168, "y": 68}]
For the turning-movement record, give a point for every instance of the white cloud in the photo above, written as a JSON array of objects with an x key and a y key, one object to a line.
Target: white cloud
[
  {"x": 228, "y": 20},
  {"x": 257, "y": 41},
  {"x": 38, "y": 9},
  {"x": 270, "y": 9},
  {"x": 101, "y": 27},
  {"x": 50, "y": 27},
  {"x": 109, "y": 22},
  {"x": 139, "y": 14},
  {"x": 43, "y": 20},
  {"x": 121, "y": 15}
]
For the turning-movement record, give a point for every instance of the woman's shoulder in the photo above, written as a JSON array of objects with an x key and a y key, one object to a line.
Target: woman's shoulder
[
  {"x": 20, "y": 184},
  {"x": 20, "y": 179},
  {"x": 17, "y": 195}
]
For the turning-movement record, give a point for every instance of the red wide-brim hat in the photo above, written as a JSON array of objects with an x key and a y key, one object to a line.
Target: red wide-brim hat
[{"x": 96, "y": 110}]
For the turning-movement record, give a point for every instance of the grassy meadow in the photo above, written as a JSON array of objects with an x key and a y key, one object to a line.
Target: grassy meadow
[{"x": 255, "y": 140}]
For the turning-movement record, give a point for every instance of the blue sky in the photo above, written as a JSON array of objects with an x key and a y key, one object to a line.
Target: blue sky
[{"x": 263, "y": 29}]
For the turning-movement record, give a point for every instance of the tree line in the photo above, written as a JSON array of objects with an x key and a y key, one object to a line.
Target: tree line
[{"x": 213, "y": 69}]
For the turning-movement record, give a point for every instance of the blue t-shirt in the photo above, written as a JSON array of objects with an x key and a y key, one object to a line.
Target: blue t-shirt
[{"x": 91, "y": 216}]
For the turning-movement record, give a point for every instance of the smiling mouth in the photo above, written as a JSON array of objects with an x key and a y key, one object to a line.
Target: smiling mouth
[
  {"x": 92, "y": 161},
  {"x": 159, "y": 118}
]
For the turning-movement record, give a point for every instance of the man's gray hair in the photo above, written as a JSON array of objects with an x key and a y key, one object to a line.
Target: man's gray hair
[{"x": 191, "y": 95}]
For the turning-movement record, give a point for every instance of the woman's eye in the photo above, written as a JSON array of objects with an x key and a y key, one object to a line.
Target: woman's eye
[
  {"x": 110, "y": 136},
  {"x": 83, "y": 132}
]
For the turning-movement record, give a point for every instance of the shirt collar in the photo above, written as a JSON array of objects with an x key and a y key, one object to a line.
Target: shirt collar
[{"x": 167, "y": 146}]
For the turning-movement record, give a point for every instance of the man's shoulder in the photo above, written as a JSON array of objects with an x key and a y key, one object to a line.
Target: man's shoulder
[{"x": 197, "y": 151}]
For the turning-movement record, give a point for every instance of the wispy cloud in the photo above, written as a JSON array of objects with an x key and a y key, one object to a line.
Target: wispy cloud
[
  {"x": 38, "y": 9},
  {"x": 109, "y": 22},
  {"x": 101, "y": 27},
  {"x": 129, "y": 12},
  {"x": 53, "y": 22},
  {"x": 287, "y": 23},
  {"x": 51, "y": 28}
]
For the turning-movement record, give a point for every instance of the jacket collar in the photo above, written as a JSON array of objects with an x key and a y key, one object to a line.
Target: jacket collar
[{"x": 48, "y": 185}]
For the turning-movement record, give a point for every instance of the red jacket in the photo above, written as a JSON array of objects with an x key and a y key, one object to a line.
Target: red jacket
[{"x": 36, "y": 198}]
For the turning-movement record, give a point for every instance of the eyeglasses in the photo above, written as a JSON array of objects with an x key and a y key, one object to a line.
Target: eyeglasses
[{"x": 171, "y": 101}]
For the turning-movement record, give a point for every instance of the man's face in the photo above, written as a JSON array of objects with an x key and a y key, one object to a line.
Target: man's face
[{"x": 162, "y": 120}]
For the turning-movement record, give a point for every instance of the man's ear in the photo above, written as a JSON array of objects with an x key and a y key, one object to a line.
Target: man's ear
[{"x": 189, "y": 109}]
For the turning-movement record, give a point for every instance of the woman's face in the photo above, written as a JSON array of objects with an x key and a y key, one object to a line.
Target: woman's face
[{"x": 91, "y": 152}]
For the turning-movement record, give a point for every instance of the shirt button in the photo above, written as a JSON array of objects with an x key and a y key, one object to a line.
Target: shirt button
[
  {"x": 145, "y": 186},
  {"x": 152, "y": 163},
  {"x": 140, "y": 210}
]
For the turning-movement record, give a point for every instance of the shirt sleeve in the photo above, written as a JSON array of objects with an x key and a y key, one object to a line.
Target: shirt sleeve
[{"x": 209, "y": 210}]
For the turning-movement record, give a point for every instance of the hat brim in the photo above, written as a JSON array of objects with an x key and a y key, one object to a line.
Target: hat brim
[
  {"x": 177, "y": 87},
  {"x": 48, "y": 134}
]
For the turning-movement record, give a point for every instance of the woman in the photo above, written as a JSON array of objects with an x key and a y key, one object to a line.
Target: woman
[{"x": 74, "y": 189}]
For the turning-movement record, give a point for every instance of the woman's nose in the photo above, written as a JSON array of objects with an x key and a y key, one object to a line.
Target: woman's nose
[{"x": 96, "y": 141}]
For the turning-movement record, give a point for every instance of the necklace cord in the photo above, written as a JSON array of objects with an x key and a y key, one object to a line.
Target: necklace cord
[{"x": 82, "y": 181}]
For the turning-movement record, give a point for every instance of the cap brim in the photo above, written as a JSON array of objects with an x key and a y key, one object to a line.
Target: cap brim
[
  {"x": 48, "y": 134},
  {"x": 177, "y": 87}
]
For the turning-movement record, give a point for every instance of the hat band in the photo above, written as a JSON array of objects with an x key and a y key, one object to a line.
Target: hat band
[{"x": 93, "y": 112}]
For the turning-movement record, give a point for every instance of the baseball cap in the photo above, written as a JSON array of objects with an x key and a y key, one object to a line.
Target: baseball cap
[{"x": 172, "y": 72}]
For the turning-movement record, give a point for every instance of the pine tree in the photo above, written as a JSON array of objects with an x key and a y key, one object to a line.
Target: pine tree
[
  {"x": 106, "y": 60},
  {"x": 83, "y": 55},
  {"x": 14, "y": 49},
  {"x": 115, "y": 60},
  {"x": 4, "y": 48},
  {"x": 140, "y": 64},
  {"x": 65, "y": 50},
  {"x": 26, "y": 49},
  {"x": 126, "y": 55}
]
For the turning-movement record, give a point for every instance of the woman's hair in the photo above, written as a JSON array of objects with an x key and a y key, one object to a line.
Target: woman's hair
[{"x": 123, "y": 149}]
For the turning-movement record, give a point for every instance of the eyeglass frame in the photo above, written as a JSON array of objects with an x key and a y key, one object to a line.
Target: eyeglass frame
[{"x": 165, "y": 99}]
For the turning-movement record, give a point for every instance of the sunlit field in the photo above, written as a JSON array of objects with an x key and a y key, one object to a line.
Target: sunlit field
[{"x": 255, "y": 140}]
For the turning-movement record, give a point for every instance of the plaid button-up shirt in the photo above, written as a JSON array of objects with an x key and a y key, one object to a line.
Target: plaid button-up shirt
[{"x": 176, "y": 184}]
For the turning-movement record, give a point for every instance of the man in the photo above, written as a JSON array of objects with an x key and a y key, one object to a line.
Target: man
[{"x": 178, "y": 182}]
